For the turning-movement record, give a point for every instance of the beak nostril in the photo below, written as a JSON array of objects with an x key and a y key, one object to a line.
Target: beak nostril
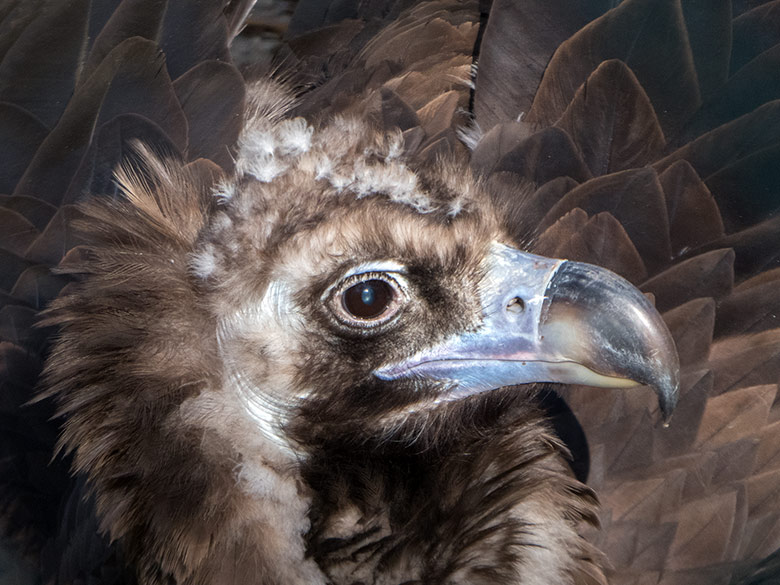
[{"x": 516, "y": 305}]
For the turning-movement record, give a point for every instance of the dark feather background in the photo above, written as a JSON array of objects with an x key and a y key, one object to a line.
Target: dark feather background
[{"x": 651, "y": 144}]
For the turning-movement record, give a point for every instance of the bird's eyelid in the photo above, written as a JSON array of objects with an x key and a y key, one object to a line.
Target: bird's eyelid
[{"x": 380, "y": 266}]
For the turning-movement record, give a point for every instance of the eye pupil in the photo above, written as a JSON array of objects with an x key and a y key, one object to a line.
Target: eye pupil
[{"x": 368, "y": 300}]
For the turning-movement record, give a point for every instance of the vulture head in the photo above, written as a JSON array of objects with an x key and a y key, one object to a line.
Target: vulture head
[{"x": 323, "y": 367}]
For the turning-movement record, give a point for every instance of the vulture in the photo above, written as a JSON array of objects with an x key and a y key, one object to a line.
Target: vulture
[{"x": 446, "y": 292}]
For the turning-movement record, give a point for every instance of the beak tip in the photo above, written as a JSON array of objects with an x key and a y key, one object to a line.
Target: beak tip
[
  {"x": 669, "y": 393},
  {"x": 665, "y": 381},
  {"x": 667, "y": 400}
]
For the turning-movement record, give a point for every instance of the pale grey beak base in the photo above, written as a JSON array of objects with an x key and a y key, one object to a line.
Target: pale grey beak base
[{"x": 553, "y": 321}]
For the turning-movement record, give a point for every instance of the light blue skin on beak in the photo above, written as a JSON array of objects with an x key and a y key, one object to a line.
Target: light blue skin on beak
[{"x": 547, "y": 320}]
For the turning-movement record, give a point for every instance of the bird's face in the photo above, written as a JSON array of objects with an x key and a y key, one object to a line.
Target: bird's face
[
  {"x": 350, "y": 291},
  {"x": 362, "y": 316}
]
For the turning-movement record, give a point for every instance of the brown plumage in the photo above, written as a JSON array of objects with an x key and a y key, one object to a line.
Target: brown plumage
[{"x": 222, "y": 415}]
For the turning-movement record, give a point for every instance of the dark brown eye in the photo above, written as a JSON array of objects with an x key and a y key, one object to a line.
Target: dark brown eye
[{"x": 369, "y": 299}]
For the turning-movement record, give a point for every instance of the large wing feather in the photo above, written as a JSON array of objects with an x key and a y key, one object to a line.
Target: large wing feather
[{"x": 644, "y": 137}]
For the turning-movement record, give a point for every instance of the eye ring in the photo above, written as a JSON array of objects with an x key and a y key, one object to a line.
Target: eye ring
[{"x": 367, "y": 300}]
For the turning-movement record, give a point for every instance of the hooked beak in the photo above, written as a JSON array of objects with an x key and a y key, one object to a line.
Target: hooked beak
[{"x": 550, "y": 320}]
